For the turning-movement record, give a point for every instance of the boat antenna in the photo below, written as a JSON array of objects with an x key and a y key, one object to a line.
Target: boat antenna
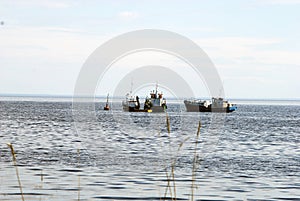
[
  {"x": 131, "y": 85},
  {"x": 221, "y": 90},
  {"x": 107, "y": 98}
]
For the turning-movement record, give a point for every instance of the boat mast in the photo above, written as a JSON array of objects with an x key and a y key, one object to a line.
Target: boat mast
[
  {"x": 131, "y": 86},
  {"x": 107, "y": 99}
]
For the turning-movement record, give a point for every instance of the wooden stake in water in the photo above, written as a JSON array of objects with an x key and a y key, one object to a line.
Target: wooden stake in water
[
  {"x": 16, "y": 167},
  {"x": 168, "y": 123}
]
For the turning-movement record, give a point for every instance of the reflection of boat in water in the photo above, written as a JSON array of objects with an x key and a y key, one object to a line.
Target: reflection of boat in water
[
  {"x": 216, "y": 105},
  {"x": 106, "y": 107},
  {"x": 154, "y": 103}
]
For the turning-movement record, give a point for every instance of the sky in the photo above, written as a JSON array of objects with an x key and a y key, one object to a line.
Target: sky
[{"x": 254, "y": 44}]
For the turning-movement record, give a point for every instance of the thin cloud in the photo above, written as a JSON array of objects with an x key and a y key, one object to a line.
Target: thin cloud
[
  {"x": 249, "y": 50},
  {"x": 47, "y": 44},
  {"x": 128, "y": 15},
  {"x": 38, "y": 3},
  {"x": 278, "y": 2}
]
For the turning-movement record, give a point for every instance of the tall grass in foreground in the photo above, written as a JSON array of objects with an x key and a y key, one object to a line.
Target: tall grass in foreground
[
  {"x": 78, "y": 161},
  {"x": 16, "y": 167},
  {"x": 171, "y": 182},
  {"x": 171, "y": 176},
  {"x": 195, "y": 159}
]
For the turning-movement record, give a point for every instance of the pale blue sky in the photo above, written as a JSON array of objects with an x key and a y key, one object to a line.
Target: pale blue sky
[{"x": 254, "y": 44}]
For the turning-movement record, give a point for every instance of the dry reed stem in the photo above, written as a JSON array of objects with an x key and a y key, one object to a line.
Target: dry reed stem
[
  {"x": 194, "y": 162},
  {"x": 78, "y": 155},
  {"x": 172, "y": 170},
  {"x": 42, "y": 179},
  {"x": 42, "y": 176},
  {"x": 168, "y": 185},
  {"x": 173, "y": 177},
  {"x": 16, "y": 168},
  {"x": 173, "y": 167},
  {"x": 172, "y": 173},
  {"x": 168, "y": 123}
]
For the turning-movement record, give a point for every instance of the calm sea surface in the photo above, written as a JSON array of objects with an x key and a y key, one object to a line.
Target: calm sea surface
[{"x": 250, "y": 154}]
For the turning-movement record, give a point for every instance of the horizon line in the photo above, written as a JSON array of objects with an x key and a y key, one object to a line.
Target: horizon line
[{"x": 104, "y": 96}]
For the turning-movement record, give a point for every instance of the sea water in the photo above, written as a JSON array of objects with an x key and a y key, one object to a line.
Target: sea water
[{"x": 252, "y": 153}]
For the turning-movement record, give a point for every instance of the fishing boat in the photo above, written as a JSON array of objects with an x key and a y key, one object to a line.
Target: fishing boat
[
  {"x": 106, "y": 107},
  {"x": 197, "y": 105},
  {"x": 132, "y": 104},
  {"x": 215, "y": 105},
  {"x": 155, "y": 102}
]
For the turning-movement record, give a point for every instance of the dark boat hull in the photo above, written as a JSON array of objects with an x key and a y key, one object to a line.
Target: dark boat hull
[
  {"x": 195, "y": 107},
  {"x": 139, "y": 110}
]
